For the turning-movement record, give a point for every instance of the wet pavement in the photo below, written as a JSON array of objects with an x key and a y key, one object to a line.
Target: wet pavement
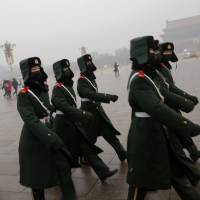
[{"x": 88, "y": 186}]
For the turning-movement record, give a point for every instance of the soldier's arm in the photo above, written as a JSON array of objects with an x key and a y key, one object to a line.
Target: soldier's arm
[
  {"x": 144, "y": 95},
  {"x": 37, "y": 128},
  {"x": 85, "y": 91},
  {"x": 59, "y": 101},
  {"x": 182, "y": 93},
  {"x": 167, "y": 74},
  {"x": 176, "y": 101}
]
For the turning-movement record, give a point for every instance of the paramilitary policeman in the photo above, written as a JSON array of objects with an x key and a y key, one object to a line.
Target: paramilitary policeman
[
  {"x": 69, "y": 119},
  {"x": 148, "y": 143},
  {"x": 91, "y": 101},
  {"x": 164, "y": 67},
  {"x": 43, "y": 158}
]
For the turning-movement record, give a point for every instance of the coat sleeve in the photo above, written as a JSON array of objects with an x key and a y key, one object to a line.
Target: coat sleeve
[
  {"x": 35, "y": 126},
  {"x": 182, "y": 93},
  {"x": 144, "y": 96},
  {"x": 176, "y": 101},
  {"x": 59, "y": 101},
  {"x": 85, "y": 91}
]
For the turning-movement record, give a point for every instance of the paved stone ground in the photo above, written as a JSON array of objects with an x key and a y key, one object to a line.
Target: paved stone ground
[{"x": 87, "y": 185}]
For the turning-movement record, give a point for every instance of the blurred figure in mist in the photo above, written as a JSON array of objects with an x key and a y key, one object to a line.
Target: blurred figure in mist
[
  {"x": 15, "y": 85},
  {"x": 116, "y": 69}
]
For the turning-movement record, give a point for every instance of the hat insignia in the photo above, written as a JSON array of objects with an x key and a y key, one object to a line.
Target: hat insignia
[{"x": 36, "y": 61}]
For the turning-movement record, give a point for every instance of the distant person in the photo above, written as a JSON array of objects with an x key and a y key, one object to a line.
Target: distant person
[
  {"x": 4, "y": 87},
  {"x": 116, "y": 69},
  {"x": 7, "y": 86},
  {"x": 15, "y": 85}
]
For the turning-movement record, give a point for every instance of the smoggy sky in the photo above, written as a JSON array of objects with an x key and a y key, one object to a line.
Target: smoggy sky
[{"x": 55, "y": 29}]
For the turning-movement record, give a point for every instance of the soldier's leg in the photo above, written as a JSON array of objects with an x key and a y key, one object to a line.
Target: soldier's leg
[
  {"x": 115, "y": 143},
  {"x": 64, "y": 173},
  {"x": 183, "y": 186},
  {"x": 135, "y": 193},
  {"x": 38, "y": 194},
  {"x": 100, "y": 168},
  {"x": 189, "y": 144},
  {"x": 194, "y": 152}
]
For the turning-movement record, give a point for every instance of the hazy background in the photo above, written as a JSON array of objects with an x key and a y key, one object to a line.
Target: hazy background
[{"x": 55, "y": 29}]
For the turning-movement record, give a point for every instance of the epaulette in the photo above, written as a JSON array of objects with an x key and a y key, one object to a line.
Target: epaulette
[
  {"x": 24, "y": 90},
  {"x": 141, "y": 74},
  {"x": 81, "y": 77},
  {"x": 59, "y": 85}
]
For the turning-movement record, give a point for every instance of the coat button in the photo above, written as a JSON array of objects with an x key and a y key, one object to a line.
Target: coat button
[
  {"x": 49, "y": 134},
  {"x": 186, "y": 100},
  {"x": 185, "y": 122}
]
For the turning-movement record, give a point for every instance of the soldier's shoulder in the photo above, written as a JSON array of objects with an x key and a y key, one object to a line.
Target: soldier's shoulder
[
  {"x": 81, "y": 80},
  {"x": 58, "y": 85},
  {"x": 139, "y": 79},
  {"x": 81, "y": 77},
  {"x": 140, "y": 75},
  {"x": 24, "y": 90}
]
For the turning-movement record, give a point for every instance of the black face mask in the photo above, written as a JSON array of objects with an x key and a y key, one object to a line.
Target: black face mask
[
  {"x": 36, "y": 76},
  {"x": 89, "y": 75},
  {"x": 91, "y": 67},
  {"x": 67, "y": 76},
  {"x": 155, "y": 59},
  {"x": 150, "y": 70},
  {"x": 167, "y": 57}
]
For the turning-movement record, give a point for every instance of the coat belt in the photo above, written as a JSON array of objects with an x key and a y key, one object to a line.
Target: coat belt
[
  {"x": 87, "y": 100},
  {"x": 58, "y": 112},
  {"x": 142, "y": 115}
]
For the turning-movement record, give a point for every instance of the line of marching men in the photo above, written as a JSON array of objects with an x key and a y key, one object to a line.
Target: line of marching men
[
  {"x": 49, "y": 147},
  {"x": 48, "y": 151}
]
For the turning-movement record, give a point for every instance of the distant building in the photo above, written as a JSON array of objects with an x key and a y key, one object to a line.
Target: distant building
[{"x": 185, "y": 33}]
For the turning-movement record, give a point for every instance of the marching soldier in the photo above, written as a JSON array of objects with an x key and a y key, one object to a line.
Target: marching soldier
[
  {"x": 69, "y": 118},
  {"x": 91, "y": 101},
  {"x": 148, "y": 142},
  {"x": 164, "y": 67},
  {"x": 43, "y": 158}
]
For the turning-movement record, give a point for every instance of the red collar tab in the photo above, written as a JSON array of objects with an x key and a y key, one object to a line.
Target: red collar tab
[
  {"x": 141, "y": 74},
  {"x": 59, "y": 85},
  {"x": 82, "y": 77},
  {"x": 24, "y": 90}
]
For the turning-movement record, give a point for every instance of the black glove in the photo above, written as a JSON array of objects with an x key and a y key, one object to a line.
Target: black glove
[
  {"x": 194, "y": 100},
  {"x": 195, "y": 130},
  {"x": 113, "y": 98}
]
